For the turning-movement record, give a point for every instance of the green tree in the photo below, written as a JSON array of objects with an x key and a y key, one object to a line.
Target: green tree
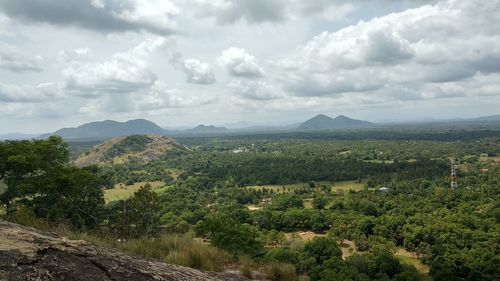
[
  {"x": 322, "y": 249},
  {"x": 231, "y": 236},
  {"x": 74, "y": 196},
  {"x": 144, "y": 210},
  {"x": 27, "y": 166}
]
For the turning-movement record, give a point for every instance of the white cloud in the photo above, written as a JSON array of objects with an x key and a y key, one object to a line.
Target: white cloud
[
  {"x": 197, "y": 72},
  {"x": 13, "y": 59},
  {"x": 257, "y": 90},
  {"x": 368, "y": 58},
  {"x": 158, "y": 97},
  {"x": 327, "y": 9},
  {"x": 74, "y": 55},
  {"x": 98, "y": 3},
  {"x": 124, "y": 73},
  {"x": 445, "y": 42},
  {"x": 29, "y": 94},
  {"x": 239, "y": 63},
  {"x": 161, "y": 97},
  {"x": 155, "y": 14}
]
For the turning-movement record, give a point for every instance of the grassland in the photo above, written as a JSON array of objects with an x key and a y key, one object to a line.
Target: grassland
[
  {"x": 335, "y": 186},
  {"x": 486, "y": 158},
  {"x": 122, "y": 191},
  {"x": 304, "y": 235},
  {"x": 411, "y": 258},
  {"x": 347, "y": 185},
  {"x": 348, "y": 248}
]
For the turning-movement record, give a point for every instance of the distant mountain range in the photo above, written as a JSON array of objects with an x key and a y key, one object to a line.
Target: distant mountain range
[
  {"x": 487, "y": 118},
  {"x": 203, "y": 129},
  {"x": 324, "y": 122},
  {"x": 107, "y": 129},
  {"x": 17, "y": 136},
  {"x": 110, "y": 129},
  {"x": 102, "y": 130}
]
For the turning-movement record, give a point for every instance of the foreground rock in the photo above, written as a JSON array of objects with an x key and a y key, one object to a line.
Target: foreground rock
[{"x": 27, "y": 254}]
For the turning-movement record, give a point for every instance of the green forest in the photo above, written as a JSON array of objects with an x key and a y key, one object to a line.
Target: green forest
[{"x": 347, "y": 206}]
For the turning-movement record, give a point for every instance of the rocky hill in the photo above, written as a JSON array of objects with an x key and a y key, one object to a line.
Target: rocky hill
[
  {"x": 119, "y": 150},
  {"x": 324, "y": 122},
  {"x": 27, "y": 254},
  {"x": 109, "y": 129},
  {"x": 204, "y": 129}
]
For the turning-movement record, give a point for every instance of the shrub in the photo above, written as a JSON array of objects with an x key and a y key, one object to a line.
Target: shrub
[
  {"x": 178, "y": 249},
  {"x": 283, "y": 255},
  {"x": 322, "y": 249},
  {"x": 280, "y": 271},
  {"x": 25, "y": 216}
]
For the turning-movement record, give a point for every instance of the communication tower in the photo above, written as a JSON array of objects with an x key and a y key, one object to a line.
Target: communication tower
[{"x": 453, "y": 176}]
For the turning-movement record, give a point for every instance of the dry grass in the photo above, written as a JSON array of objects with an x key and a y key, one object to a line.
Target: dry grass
[
  {"x": 304, "y": 235},
  {"x": 410, "y": 258},
  {"x": 348, "y": 248},
  {"x": 97, "y": 154},
  {"x": 283, "y": 188},
  {"x": 158, "y": 146},
  {"x": 347, "y": 185},
  {"x": 486, "y": 158},
  {"x": 122, "y": 191},
  {"x": 335, "y": 186},
  {"x": 178, "y": 249},
  {"x": 252, "y": 207},
  {"x": 308, "y": 203},
  {"x": 280, "y": 271}
]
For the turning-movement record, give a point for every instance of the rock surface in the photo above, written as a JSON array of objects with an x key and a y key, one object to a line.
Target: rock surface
[{"x": 27, "y": 254}]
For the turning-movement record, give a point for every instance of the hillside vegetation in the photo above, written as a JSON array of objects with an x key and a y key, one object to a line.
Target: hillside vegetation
[
  {"x": 119, "y": 150},
  {"x": 286, "y": 209}
]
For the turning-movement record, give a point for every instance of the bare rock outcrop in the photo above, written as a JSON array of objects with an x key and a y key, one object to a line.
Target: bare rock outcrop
[{"x": 28, "y": 254}]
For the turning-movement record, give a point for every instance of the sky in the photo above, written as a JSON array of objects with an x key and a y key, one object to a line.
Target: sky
[{"x": 235, "y": 62}]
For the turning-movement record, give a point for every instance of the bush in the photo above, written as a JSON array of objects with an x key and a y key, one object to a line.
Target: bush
[
  {"x": 283, "y": 255},
  {"x": 280, "y": 272},
  {"x": 322, "y": 249},
  {"x": 25, "y": 216},
  {"x": 178, "y": 249}
]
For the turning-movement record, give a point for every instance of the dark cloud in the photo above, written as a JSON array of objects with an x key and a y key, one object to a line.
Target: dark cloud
[
  {"x": 383, "y": 47},
  {"x": 101, "y": 16},
  {"x": 254, "y": 11}
]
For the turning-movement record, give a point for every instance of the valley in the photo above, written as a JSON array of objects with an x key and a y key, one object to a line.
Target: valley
[
  {"x": 280, "y": 140},
  {"x": 264, "y": 210}
]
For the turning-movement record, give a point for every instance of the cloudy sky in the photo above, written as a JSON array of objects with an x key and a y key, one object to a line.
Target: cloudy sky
[{"x": 186, "y": 62}]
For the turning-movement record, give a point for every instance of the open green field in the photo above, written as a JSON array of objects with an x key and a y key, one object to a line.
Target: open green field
[
  {"x": 335, "y": 186},
  {"x": 379, "y": 161},
  {"x": 122, "y": 191},
  {"x": 347, "y": 185}
]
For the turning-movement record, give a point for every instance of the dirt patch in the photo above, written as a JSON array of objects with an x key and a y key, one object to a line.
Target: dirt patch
[
  {"x": 252, "y": 207},
  {"x": 305, "y": 235},
  {"x": 348, "y": 248}
]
